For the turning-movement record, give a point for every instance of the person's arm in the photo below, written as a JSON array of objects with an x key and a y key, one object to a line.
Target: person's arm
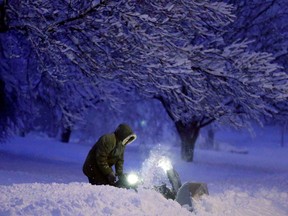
[
  {"x": 105, "y": 146},
  {"x": 119, "y": 165}
]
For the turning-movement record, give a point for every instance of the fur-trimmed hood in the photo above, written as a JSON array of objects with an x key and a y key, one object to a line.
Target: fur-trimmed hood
[{"x": 125, "y": 134}]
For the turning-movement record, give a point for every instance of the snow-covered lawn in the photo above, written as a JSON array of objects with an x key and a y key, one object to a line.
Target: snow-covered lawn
[{"x": 43, "y": 177}]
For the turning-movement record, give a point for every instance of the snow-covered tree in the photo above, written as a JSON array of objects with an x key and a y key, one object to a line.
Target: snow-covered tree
[
  {"x": 204, "y": 80},
  {"x": 173, "y": 51},
  {"x": 52, "y": 78},
  {"x": 265, "y": 24},
  {"x": 15, "y": 89}
]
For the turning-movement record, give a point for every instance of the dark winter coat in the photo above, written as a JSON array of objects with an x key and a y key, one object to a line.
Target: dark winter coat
[{"x": 108, "y": 151}]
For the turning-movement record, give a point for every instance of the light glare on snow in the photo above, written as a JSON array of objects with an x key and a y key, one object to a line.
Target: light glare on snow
[{"x": 165, "y": 164}]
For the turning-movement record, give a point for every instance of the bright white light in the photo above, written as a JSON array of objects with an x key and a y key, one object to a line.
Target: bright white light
[
  {"x": 132, "y": 178},
  {"x": 165, "y": 164}
]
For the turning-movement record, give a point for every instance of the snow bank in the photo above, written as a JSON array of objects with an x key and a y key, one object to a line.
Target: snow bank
[
  {"x": 237, "y": 202},
  {"x": 83, "y": 199},
  {"x": 44, "y": 177}
]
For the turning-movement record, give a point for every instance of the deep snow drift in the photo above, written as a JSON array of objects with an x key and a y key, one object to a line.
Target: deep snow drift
[{"x": 39, "y": 176}]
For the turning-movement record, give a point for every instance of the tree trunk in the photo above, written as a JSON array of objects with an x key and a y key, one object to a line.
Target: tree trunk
[
  {"x": 188, "y": 135},
  {"x": 188, "y": 132},
  {"x": 3, "y": 21},
  {"x": 283, "y": 131},
  {"x": 65, "y": 136},
  {"x": 210, "y": 138}
]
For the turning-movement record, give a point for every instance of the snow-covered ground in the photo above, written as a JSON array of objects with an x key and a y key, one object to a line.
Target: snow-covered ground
[{"x": 39, "y": 176}]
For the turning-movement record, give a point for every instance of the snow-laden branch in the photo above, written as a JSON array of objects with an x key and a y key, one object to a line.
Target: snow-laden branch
[{"x": 172, "y": 50}]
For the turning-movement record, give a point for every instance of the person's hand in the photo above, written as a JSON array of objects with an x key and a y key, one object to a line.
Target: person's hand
[
  {"x": 121, "y": 178},
  {"x": 111, "y": 178}
]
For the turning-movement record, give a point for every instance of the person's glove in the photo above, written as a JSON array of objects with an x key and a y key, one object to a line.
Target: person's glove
[
  {"x": 111, "y": 178},
  {"x": 122, "y": 178}
]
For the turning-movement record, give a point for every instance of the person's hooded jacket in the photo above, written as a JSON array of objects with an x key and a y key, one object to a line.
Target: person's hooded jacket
[{"x": 108, "y": 151}]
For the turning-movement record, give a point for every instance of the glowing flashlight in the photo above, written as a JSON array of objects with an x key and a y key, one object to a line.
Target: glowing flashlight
[
  {"x": 132, "y": 178},
  {"x": 165, "y": 164}
]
